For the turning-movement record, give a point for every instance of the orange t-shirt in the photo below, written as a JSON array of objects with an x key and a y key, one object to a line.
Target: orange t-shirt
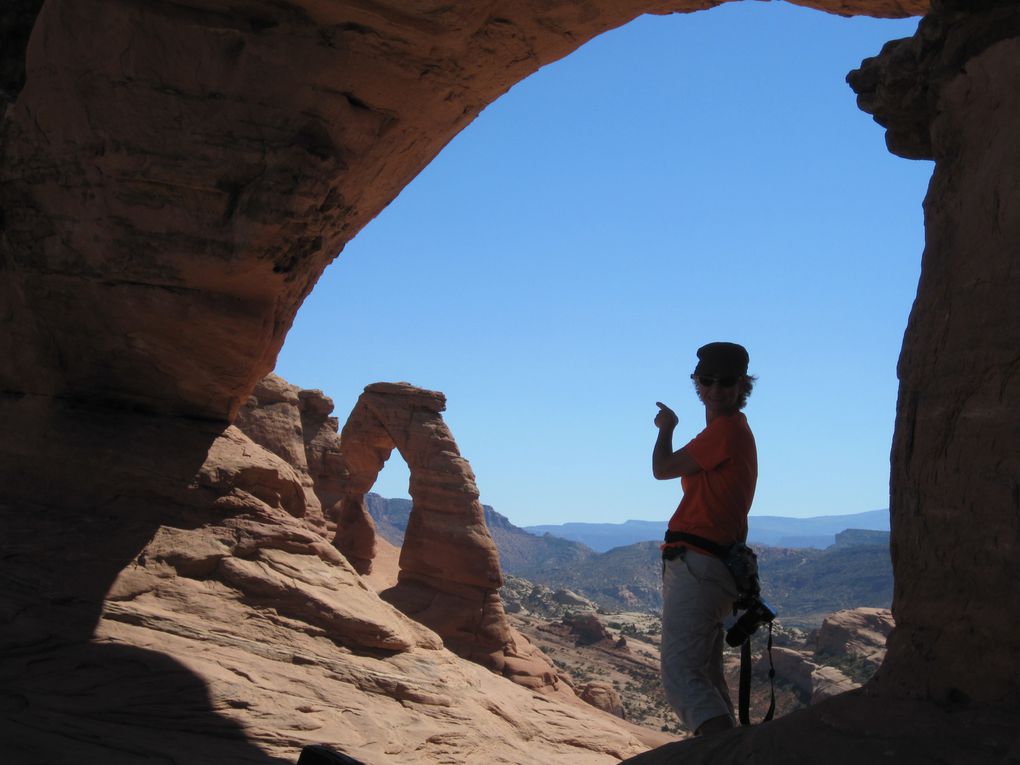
[{"x": 716, "y": 500}]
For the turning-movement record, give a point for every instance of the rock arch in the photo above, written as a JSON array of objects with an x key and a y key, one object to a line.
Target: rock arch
[
  {"x": 175, "y": 179},
  {"x": 449, "y": 567}
]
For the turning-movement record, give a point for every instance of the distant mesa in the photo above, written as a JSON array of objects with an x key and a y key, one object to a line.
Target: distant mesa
[{"x": 772, "y": 530}]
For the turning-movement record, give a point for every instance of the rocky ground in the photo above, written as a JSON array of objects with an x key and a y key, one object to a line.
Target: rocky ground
[{"x": 620, "y": 650}]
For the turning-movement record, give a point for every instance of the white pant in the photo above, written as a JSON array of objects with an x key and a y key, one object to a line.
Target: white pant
[{"x": 697, "y": 595}]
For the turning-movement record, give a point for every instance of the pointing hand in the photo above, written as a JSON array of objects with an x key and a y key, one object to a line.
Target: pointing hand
[{"x": 666, "y": 417}]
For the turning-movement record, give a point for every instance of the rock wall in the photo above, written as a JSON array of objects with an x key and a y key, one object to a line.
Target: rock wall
[
  {"x": 173, "y": 179},
  {"x": 952, "y": 93}
]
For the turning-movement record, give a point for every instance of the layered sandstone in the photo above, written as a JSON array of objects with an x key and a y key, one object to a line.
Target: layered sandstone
[
  {"x": 859, "y": 632},
  {"x": 237, "y": 632},
  {"x": 320, "y": 433},
  {"x": 449, "y": 575},
  {"x": 449, "y": 568},
  {"x": 813, "y": 681},
  {"x": 297, "y": 425},
  {"x": 856, "y": 636},
  {"x": 177, "y": 175},
  {"x": 272, "y": 418},
  {"x": 952, "y": 93},
  {"x": 173, "y": 180}
]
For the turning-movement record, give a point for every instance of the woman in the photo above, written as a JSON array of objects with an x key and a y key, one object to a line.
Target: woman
[{"x": 718, "y": 470}]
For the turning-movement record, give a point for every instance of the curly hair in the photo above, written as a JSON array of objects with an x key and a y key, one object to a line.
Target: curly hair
[{"x": 746, "y": 386}]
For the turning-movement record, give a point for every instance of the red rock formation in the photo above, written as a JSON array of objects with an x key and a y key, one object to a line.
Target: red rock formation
[
  {"x": 320, "y": 432},
  {"x": 588, "y": 629},
  {"x": 234, "y": 622},
  {"x": 796, "y": 668},
  {"x": 952, "y": 92},
  {"x": 449, "y": 567},
  {"x": 295, "y": 425},
  {"x": 173, "y": 180},
  {"x": 603, "y": 696},
  {"x": 858, "y": 632},
  {"x": 272, "y": 418}
]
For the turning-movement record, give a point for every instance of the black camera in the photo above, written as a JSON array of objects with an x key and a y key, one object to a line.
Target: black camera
[{"x": 758, "y": 613}]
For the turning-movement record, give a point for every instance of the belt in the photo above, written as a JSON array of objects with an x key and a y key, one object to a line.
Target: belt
[{"x": 677, "y": 551}]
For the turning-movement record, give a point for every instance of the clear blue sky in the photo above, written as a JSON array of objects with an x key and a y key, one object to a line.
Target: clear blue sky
[{"x": 680, "y": 180}]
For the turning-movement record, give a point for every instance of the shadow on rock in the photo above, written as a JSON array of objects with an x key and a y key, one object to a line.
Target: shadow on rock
[
  {"x": 113, "y": 704},
  {"x": 82, "y": 495}
]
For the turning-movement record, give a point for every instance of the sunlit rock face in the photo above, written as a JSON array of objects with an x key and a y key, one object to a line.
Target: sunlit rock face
[
  {"x": 272, "y": 418},
  {"x": 227, "y": 628},
  {"x": 173, "y": 180},
  {"x": 449, "y": 574}
]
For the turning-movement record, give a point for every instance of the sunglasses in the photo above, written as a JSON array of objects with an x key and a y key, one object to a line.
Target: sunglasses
[{"x": 707, "y": 381}]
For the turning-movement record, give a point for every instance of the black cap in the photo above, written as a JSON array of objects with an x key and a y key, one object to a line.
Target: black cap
[{"x": 722, "y": 360}]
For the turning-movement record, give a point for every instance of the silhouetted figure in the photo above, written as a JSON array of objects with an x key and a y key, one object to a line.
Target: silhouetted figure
[{"x": 718, "y": 471}]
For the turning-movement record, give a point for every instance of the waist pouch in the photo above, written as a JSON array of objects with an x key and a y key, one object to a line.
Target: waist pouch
[{"x": 740, "y": 559}]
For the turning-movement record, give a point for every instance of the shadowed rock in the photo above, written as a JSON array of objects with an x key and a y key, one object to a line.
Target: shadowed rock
[{"x": 174, "y": 181}]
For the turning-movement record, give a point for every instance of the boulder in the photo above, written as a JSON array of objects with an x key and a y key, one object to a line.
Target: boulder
[
  {"x": 603, "y": 696},
  {"x": 858, "y": 632},
  {"x": 587, "y": 628},
  {"x": 571, "y": 598}
]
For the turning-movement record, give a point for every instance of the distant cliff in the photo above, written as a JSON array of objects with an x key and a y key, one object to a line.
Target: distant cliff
[{"x": 772, "y": 530}]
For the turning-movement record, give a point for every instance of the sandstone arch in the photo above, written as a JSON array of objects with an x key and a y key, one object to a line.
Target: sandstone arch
[
  {"x": 449, "y": 567},
  {"x": 161, "y": 224},
  {"x": 449, "y": 572}
]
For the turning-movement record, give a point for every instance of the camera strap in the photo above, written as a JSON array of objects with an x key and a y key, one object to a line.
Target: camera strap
[{"x": 744, "y": 692}]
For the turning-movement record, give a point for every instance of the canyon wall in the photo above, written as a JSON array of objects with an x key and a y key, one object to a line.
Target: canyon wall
[
  {"x": 174, "y": 177},
  {"x": 952, "y": 93}
]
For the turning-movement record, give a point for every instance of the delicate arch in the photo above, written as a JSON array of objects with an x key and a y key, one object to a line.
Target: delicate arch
[{"x": 449, "y": 567}]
